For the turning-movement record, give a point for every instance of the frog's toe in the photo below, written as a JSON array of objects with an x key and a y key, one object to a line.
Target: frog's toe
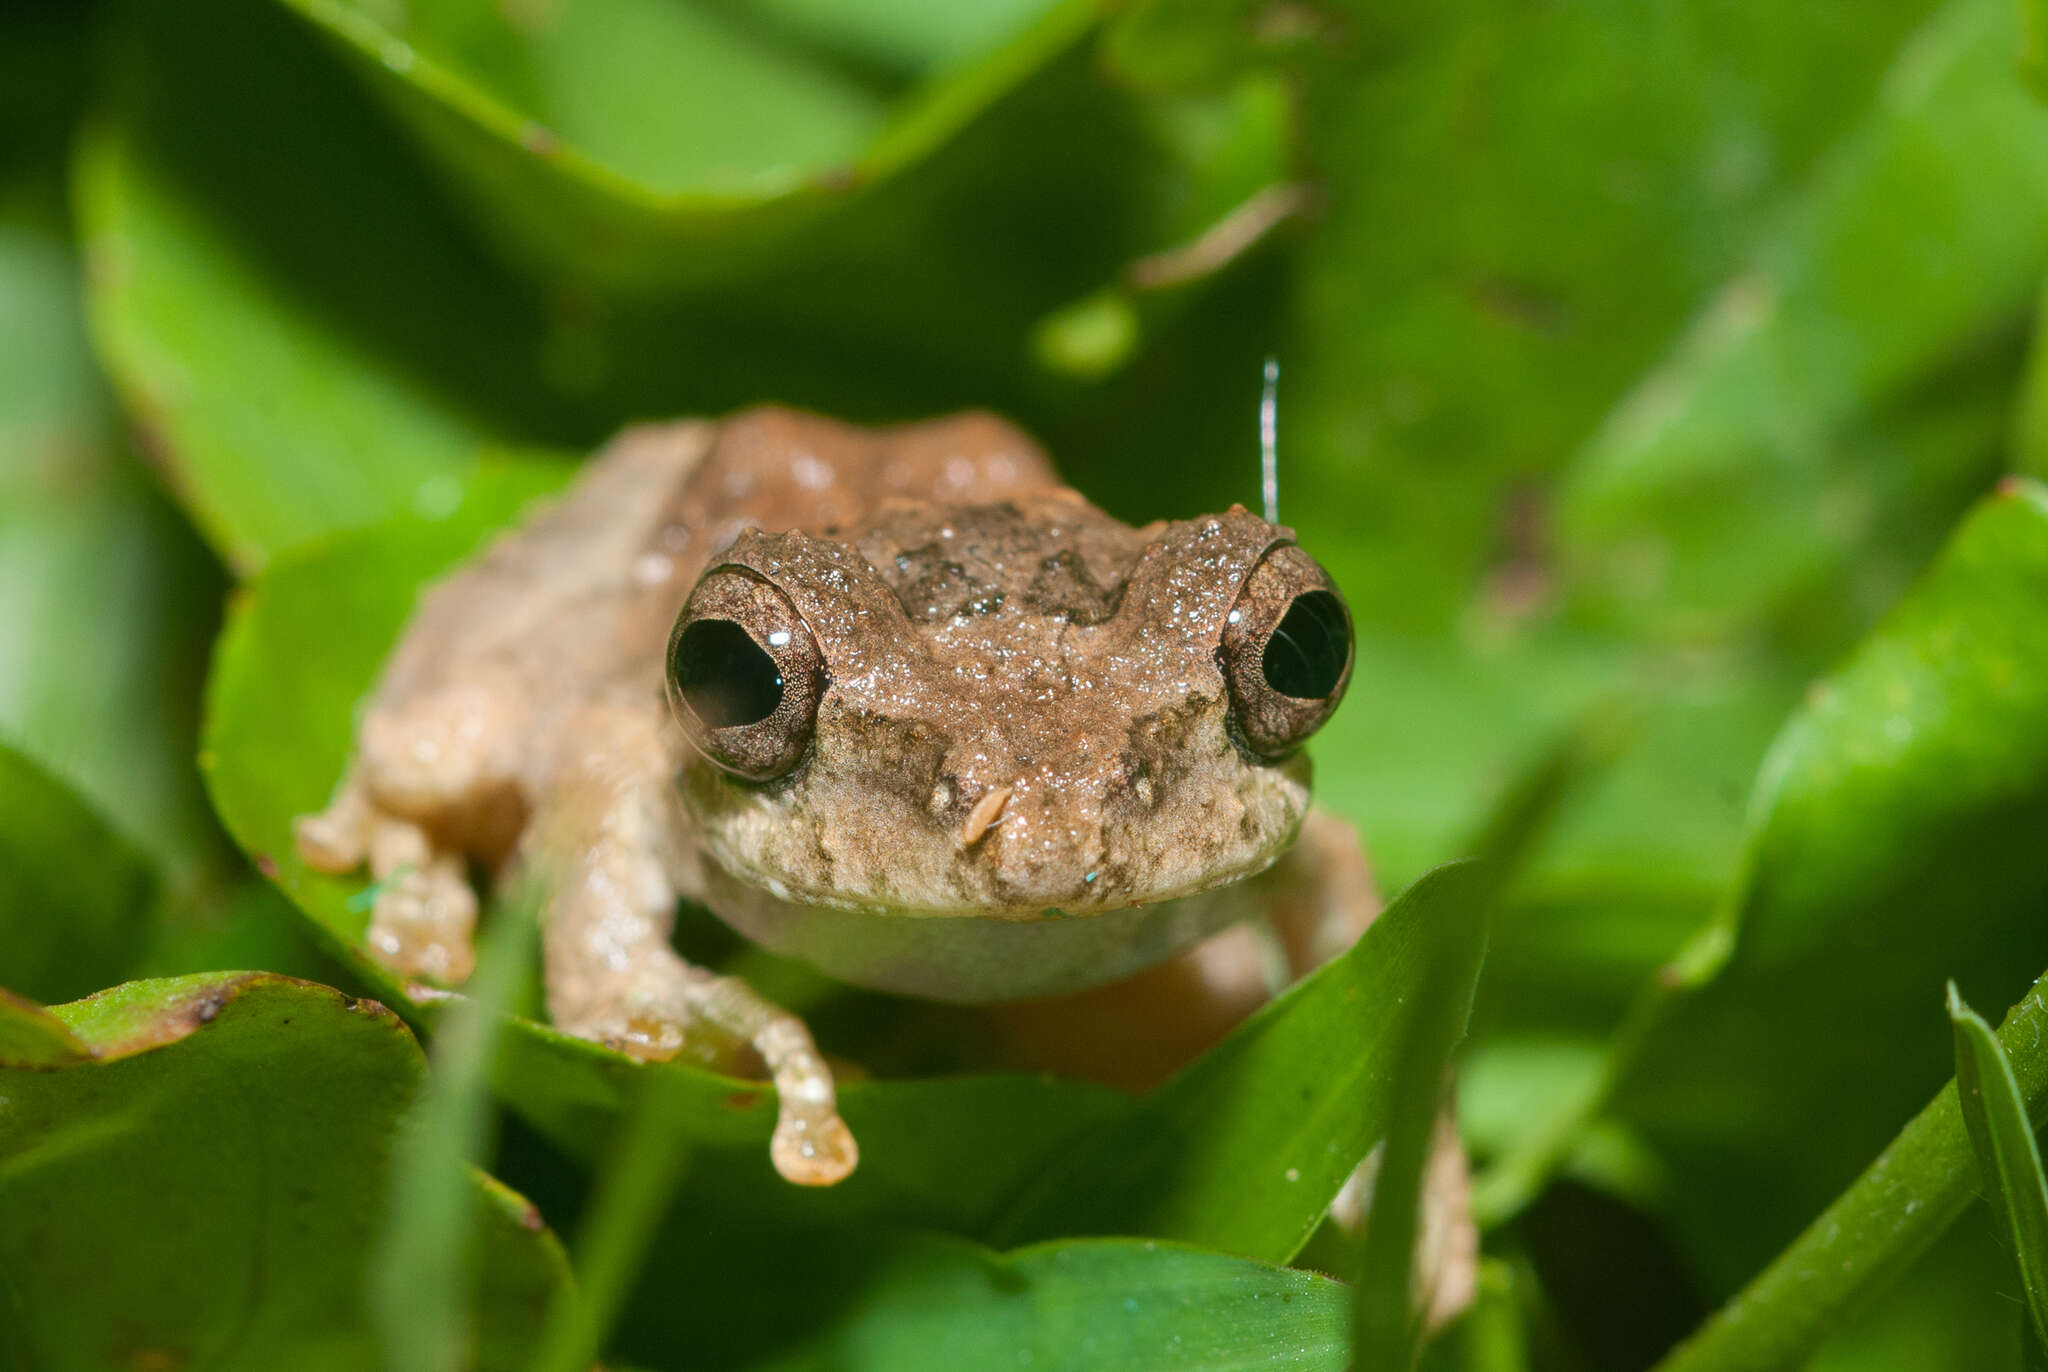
[
  {"x": 336, "y": 839},
  {"x": 813, "y": 1149},
  {"x": 424, "y": 921}
]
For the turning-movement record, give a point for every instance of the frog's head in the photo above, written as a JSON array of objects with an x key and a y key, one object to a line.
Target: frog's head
[{"x": 995, "y": 715}]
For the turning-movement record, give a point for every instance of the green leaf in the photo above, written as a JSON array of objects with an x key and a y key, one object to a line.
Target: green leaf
[
  {"x": 1393, "y": 1293},
  {"x": 2033, "y": 46},
  {"x": 2008, "y": 1163},
  {"x": 914, "y": 1301},
  {"x": 1521, "y": 205},
  {"x": 643, "y": 144},
  {"x": 244, "y": 1118},
  {"x": 1894, "y": 845},
  {"x": 109, "y": 603},
  {"x": 1843, "y": 397},
  {"x": 1244, "y": 1150},
  {"x": 304, "y": 643},
  {"x": 77, "y": 893},
  {"x": 302, "y": 351},
  {"x": 1873, "y": 1231},
  {"x": 371, "y": 346}
]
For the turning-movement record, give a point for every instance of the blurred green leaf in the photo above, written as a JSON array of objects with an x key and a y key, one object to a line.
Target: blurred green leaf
[
  {"x": 422, "y": 1270},
  {"x": 1521, "y": 204},
  {"x": 77, "y": 894},
  {"x": 1244, "y": 1150},
  {"x": 2008, "y": 1163},
  {"x": 106, "y": 602},
  {"x": 904, "y": 1301},
  {"x": 1953, "y": 1308},
  {"x": 1824, "y": 419},
  {"x": 245, "y": 1118},
  {"x": 1894, "y": 844},
  {"x": 635, "y": 1186},
  {"x": 303, "y": 339},
  {"x": 310, "y": 352},
  {"x": 2033, "y": 46},
  {"x": 642, "y": 144},
  {"x": 1393, "y": 1295},
  {"x": 1872, "y": 1232},
  {"x": 1489, "y": 1336},
  {"x": 1181, "y": 45}
]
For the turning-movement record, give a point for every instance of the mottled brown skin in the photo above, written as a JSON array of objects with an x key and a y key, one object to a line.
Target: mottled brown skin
[{"x": 1025, "y": 774}]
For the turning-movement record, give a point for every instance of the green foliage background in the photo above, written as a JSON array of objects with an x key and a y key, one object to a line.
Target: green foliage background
[{"x": 1659, "y": 381}]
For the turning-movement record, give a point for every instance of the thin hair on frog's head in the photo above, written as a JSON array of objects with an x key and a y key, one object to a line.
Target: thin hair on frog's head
[{"x": 1269, "y": 441}]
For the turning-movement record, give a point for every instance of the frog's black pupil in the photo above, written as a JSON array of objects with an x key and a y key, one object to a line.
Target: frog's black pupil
[
  {"x": 1305, "y": 657},
  {"x": 726, "y": 677}
]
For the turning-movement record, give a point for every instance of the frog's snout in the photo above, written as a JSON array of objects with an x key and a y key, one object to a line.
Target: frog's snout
[{"x": 1037, "y": 851}]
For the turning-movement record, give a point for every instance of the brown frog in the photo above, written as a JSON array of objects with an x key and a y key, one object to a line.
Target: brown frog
[{"x": 893, "y": 701}]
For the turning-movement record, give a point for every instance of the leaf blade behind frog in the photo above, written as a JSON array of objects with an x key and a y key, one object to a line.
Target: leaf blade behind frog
[{"x": 1244, "y": 1151}]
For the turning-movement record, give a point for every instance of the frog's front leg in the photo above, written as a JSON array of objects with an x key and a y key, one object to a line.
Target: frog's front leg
[{"x": 606, "y": 839}]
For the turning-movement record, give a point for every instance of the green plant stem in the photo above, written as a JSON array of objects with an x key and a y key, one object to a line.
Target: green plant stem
[
  {"x": 1872, "y": 1232},
  {"x": 425, "y": 1265},
  {"x": 633, "y": 1194}
]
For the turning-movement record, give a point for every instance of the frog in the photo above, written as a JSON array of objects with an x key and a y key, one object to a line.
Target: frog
[{"x": 895, "y": 701}]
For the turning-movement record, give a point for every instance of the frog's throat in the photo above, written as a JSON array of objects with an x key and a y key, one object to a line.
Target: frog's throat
[{"x": 973, "y": 959}]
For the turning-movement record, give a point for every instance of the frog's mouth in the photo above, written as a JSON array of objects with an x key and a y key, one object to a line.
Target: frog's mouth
[{"x": 976, "y": 956}]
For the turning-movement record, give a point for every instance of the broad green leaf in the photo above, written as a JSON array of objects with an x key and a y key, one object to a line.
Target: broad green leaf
[
  {"x": 1871, "y": 1233},
  {"x": 244, "y": 1118},
  {"x": 1177, "y": 45},
  {"x": 31, "y": 1038},
  {"x": 302, "y": 647},
  {"x": 1521, "y": 204},
  {"x": 306, "y": 353},
  {"x": 1845, "y": 395},
  {"x": 782, "y": 1299},
  {"x": 106, "y": 602},
  {"x": 2008, "y": 1163},
  {"x": 77, "y": 894},
  {"x": 1894, "y": 845},
  {"x": 1244, "y": 1150},
  {"x": 2033, "y": 46},
  {"x": 644, "y": 144},
  {"x": 301, "y": 351}
]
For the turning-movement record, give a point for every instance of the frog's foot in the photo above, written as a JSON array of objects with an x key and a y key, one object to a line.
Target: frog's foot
[
  {"x": 424, "y": 920},
  {"x": 670, "y": 1008},
  {"x": 431, "y": 782}
]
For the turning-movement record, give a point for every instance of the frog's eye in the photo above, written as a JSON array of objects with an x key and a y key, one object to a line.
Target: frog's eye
[
  {"x": 744, "y": 675},
  {"x": 1286, "y": 652}
]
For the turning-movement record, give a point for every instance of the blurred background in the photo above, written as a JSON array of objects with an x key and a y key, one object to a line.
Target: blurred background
[{"x": 1636, "y": 359}]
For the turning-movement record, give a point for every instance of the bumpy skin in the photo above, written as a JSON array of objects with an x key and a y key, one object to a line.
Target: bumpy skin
[{"x": 1023, "y": 716}]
